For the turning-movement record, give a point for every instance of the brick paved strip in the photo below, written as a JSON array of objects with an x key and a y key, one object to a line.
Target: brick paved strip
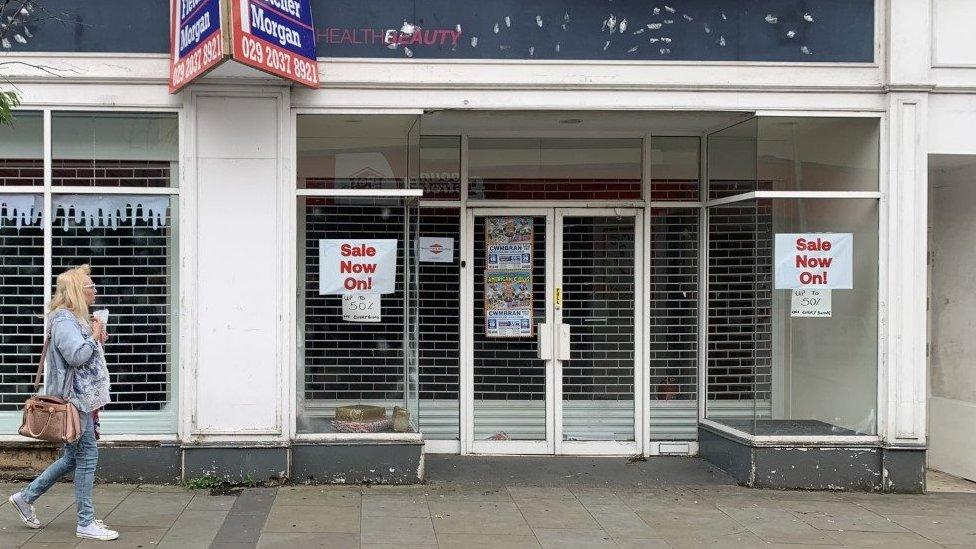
[{"x": 244, "y": 522}]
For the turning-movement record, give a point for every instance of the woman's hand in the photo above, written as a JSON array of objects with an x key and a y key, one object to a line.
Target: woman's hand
[{"x": 99, "y": 333}]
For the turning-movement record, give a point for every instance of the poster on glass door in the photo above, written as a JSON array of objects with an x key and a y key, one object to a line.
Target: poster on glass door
[
  {"x": 508, "y": 290},
  {"x": 508, "y": 277},
  {"x": 508, "y": 230},
  {"x": 508, "y": 323}
]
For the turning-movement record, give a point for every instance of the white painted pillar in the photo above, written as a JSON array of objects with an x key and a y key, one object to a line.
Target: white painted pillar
[
  {"x": 234, "y": 378},
  {"x": 902, "y": 397},
  {"x": 908, "y": 61}
]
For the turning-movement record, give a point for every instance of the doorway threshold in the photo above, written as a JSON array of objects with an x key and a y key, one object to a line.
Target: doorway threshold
[{"x": 597, "y": 472}]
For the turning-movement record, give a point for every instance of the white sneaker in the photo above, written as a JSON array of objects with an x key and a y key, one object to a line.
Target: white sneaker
[
  {"x": 25, "y": 511},
  {"x": 96, "y": 531}
]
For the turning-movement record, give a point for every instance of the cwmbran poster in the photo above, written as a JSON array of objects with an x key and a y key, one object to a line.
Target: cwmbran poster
[{"x": 508, "y": 277}]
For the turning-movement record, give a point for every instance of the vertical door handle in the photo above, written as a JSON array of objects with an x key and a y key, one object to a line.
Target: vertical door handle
[
  {"x": 544, "y": 339},
  {"x": 563, "y": 343}
]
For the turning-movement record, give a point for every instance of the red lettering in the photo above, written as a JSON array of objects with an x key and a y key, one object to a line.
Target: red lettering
[
  {"x": 357, "y": 268},
  {"x": 806, "y": 262},
  {"x": 347, "y": 250},
  {"x": 818, "y": 245},
  {"x": 455, "y": 35},
  {"x": 355, "y": 284},
  {"x": 810, "y": 278}
]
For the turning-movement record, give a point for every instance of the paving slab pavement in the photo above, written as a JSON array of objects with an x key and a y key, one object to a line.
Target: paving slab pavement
[{"x": 493, "y": 515}]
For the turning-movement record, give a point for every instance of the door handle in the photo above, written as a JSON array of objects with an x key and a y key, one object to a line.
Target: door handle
[
  {"x": 563, "y": 343},
  {"x": 544, "y": 339}
]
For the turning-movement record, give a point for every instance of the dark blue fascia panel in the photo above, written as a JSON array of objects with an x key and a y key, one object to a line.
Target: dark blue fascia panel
[{"x": 675, "y": 30}]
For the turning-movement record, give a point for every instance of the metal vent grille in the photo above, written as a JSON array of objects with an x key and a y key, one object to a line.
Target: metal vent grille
[
  {"x": 739, "y": 302},
  {"x": 673, "y": 319},
  {"x": 21, "y": 304},
  {"x": 133, "y": 266}
]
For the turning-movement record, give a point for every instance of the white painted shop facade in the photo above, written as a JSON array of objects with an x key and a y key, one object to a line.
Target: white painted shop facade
[{"x": 244, "y": 396}]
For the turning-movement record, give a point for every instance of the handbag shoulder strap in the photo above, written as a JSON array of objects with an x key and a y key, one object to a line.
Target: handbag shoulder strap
[
  {"x": 44, "y": 350},
  {"x": 40, "y": 364}
]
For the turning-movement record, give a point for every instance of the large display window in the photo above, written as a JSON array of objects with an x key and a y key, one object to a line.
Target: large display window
[
  {"x": 111, "y": 201},
  {"x": 358, "y": 278},
  {"x": 793, "y": 278}
]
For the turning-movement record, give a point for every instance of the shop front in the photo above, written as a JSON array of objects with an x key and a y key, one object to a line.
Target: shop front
[
  {"x": 613, "y": 292},
  {"x": 494, "y": 239}
]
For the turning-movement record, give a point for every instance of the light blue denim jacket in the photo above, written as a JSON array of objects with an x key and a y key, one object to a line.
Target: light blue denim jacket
[{"x": 72, "y": 346}]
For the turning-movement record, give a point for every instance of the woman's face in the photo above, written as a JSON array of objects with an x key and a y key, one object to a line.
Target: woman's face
[{"x": 90, "y": 291}]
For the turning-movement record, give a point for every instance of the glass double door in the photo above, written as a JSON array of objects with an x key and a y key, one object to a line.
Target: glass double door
[{"x": 554, "y": 341}]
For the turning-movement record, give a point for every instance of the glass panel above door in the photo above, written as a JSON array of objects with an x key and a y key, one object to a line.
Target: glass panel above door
[
  {"x": 358, "y": 151},
  {"x": 554, "y": 169}
]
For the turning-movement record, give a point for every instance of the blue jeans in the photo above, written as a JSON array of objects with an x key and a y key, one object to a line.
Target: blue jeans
[{"x": 80, "y": 457}]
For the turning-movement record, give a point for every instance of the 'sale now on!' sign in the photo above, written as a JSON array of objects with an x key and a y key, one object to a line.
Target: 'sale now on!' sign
[
  {"x": 357, "y": 266},
  {"x": 274, "y": 36},
  {"x": 814, "y": 260}
]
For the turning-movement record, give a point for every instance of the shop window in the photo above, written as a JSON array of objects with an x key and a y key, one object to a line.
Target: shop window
[
  {"x": 115, "y": 149},
  {"x": 22, "y": 143},
  {"x": 440, "y": 167},
  {"x": 675, "y": 169},
  {"x": 133, "y": 261},
  {"x": 732, "y": 160},
  {"x": 359, "y": 348},
  {"x": 128, "y": 238},
  {"x": 818, "y": 154},
  {"x": 673, "y": 320},
  {"x": 554, "y": 169},
  {"x": 358, "y": 152},
  {"x": 793, "y": 280},
  {"x": 21, "y": 298},
  {"x": 440, "y": 326},
  {"x": 793, "y": 362},
  {"x": 795, "y": 154},
  {"x": 739, "y": 310}
]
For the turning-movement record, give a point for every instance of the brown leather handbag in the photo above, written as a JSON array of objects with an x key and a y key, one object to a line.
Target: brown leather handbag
[{"x": 47, "y": 417}]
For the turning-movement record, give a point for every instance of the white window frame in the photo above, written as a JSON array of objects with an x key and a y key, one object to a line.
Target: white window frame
[
  {"x": 880, "y": 198},
  {"x": 160, "y": 425},
  {"x": 295, "y": 369}
]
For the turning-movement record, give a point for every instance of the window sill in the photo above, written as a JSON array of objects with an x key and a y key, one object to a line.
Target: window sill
[{"x": 847, "y": 441}]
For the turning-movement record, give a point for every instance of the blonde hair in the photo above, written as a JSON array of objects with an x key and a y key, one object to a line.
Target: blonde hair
[{"x": 70, "y": 293}]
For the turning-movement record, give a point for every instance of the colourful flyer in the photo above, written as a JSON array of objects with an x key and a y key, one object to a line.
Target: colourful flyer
[{"x": 508, "y": 230}]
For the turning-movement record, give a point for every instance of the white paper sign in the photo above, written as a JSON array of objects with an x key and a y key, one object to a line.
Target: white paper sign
[
  {"x": 810, "y": 304},
  {"x": 350, "y": 266},
  {"x": 435, "y": 249},
  {"x": 814, "y": 261},
  {"x": 361, "y": 308}
]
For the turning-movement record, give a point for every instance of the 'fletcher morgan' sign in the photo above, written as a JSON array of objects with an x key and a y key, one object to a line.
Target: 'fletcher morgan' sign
[{"x": 274, "y": 36}]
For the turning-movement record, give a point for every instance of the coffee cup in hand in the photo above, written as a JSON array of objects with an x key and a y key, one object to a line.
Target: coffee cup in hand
[{"x": 102, "y": 316}]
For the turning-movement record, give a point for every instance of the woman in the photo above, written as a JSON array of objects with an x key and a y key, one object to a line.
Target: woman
[{"x": 75, "y": 353}]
